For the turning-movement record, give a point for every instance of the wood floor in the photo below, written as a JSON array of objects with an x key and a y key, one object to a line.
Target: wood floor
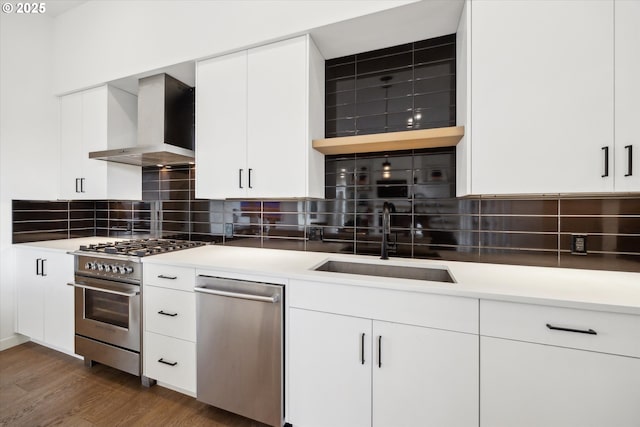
[{"x": 42, "y": 387}]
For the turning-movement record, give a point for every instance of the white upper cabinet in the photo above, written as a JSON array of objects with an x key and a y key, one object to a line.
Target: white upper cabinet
[
  {"x": 257, "y": 112},
  {"x": 92, "y": 120},
  {"x": 536, "y": 96},
  {"x": 627, "y": 90}
]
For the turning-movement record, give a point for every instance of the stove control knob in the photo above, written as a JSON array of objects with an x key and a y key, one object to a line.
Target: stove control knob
[
  {"x": 128, "y": 270},
  {"x": 94, "y": 265},
  {"x": 88, "y": 266},
  {"x": 112, "y": 268},
  {"x": 101, "y": 267}
]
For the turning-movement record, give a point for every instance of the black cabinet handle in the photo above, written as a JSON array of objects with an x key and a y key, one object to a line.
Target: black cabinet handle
[
  {"x": 42, "y": 261},
  {"x": 38, "y": 266},
  {"x": 580, "y": 331},
  {"x": 164, "y": 313},
  {"x": 166, "y": 362},
  {"x": 362, "y": 349},
  {"x": 240, "y": 178},
  {"x": 82, "y": 185},
  {"x": 379, "y": 351},
  {"x": 162, "y": 276},
  {"x": 606, "y": 162},
  {"x": 629, "y": 149},
  {"x": 250, "y": 170}
]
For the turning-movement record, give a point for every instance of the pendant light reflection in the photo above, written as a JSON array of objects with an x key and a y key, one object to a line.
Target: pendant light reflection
[{"x": 386, "y": 169}]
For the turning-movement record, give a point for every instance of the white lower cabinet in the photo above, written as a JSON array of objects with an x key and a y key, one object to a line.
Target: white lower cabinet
[
  {"x": 169, "y": 340},
  {"x": 424, "y": 377},
  {"x": 171, "y": 361},
  {"x": 527, "y": 384},
  {"x": 350, "y": 371},
  {"x": 329, "y": 371},
  {"x": 45, "y": 309},
  {"x": 558, "y": 367}
]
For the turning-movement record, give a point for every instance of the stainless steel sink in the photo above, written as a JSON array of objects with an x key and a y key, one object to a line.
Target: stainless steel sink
[{"x": 394, "y": 271}]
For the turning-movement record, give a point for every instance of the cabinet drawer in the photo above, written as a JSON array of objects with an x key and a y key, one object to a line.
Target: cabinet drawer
[
  {"x": 179, "y": 369},
  {"x": 170, "y": 312},
  {"x": 614, "y": 333},
  {"x": 168, "y": 276},
  {"x": 413, "y": 308}
]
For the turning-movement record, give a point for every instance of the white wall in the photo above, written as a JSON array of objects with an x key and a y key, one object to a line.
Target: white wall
[
  {"x": 28, "y": 135},
  {"x": 101, "y": 41}
]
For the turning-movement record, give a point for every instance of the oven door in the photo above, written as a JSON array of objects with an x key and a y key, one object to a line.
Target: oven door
[{"x": 108, "y": 311}]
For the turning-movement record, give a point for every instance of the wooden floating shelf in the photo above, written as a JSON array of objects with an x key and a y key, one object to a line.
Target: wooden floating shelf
[{"x": 391, "y": 141}]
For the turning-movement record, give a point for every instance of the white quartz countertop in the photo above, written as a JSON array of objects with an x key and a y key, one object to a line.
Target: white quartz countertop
[
  {"x": 68, "y": 244},
  {"x": 588, "y": 289}
]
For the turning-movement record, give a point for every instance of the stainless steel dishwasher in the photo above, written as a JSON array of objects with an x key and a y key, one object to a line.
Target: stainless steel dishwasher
[{"x": 240, "y": 347}]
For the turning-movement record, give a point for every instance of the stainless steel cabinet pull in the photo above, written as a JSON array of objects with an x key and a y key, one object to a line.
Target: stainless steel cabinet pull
[
  {"x": 108, "y": 291},
  {"x": 162, "y": 276},
  {"x": 606, "y": 162},
  {"x": 240, "y": 178},
  {"x": 629, "y": 149},
  {"x": 362, "y": 349},
  {"x": 166, "y": 362},
  {"x": 164, "y": 313},
  {"x": 251, "y": 297},
  {"x": 580, "y": 331},
  {"x": 77, "y": 185},
  {"x": 250, "y": 170},
  {"x": 379, "y": 351}
]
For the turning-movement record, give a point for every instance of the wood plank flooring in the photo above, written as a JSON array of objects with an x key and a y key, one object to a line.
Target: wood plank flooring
[{"x": 42, "y": 387}]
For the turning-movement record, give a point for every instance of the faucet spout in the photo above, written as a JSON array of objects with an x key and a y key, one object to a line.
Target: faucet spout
[{"x": 386, "y": 230}]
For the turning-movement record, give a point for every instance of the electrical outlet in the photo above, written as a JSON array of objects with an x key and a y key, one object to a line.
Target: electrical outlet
[{"x": 579, "y": 244}]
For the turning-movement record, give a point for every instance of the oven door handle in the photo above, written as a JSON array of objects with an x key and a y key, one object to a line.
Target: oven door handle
[{"x": 108, "y": 291}]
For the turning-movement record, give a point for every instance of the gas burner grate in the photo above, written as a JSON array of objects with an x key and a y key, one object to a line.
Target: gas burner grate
[{"x": 141, "y": 247}]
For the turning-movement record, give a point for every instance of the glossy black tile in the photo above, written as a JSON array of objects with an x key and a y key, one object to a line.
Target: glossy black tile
[
  {"x": 519, "y": 223},
  {"x": 599, "y": 261},
  {"x": 520, "y": 207},
  {"x": 378, "y": 53},
  {"x": 519, "y": 240},
  {"x": 603, "y": 206},
  {"x": 603, "y": 224},
  {"x": 445, "y": 52},
  {"x": 340, "y": 71},
  {"x": 436, "y": 41}
]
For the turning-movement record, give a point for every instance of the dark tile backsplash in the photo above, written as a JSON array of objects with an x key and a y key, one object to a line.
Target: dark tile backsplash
[
  {"x": 411, "y": 86},
  {"x": 427, "y": 220}
]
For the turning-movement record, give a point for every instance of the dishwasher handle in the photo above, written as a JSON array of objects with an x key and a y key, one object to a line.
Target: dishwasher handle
[{"x": 272, "y": 299}]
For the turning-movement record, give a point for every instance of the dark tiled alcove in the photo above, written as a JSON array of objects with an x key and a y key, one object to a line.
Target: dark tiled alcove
[{"x": 411, "y": 86}]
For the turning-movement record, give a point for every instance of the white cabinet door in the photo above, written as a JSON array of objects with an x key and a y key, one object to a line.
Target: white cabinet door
[
  {"x": 256, "y": 114},
  {"x": 541, "y": 96},
  {"x": 424, "y": 376},
  {"x": 59, "y": 324},
  {"x": 329, "y": 385},
  {"x": 524, "y": 384},
  {"x": 221, "y": 127},
  {"x": 94, "y": 120},
  {"x": 278, "y": 119},
  {"x": 94, "y": 138},
  {"x": 71, "y": 150},
  {"x": 29, "y": 287},
  {"x": 627, "y": 94}
]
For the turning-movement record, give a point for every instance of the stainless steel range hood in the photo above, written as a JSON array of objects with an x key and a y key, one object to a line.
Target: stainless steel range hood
[{"x": 165, "y": 125}]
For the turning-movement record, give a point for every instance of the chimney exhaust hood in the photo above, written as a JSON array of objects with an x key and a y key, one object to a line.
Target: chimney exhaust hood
[{"x": 165, "y": 125}]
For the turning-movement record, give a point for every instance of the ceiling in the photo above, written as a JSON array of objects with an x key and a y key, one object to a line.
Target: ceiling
[
  {"x": 420, "y": 20},
  {"x": 57, "y": 7}
]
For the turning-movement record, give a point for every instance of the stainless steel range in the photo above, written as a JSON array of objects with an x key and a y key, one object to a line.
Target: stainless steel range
[{"x": 108, "y": 300}]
